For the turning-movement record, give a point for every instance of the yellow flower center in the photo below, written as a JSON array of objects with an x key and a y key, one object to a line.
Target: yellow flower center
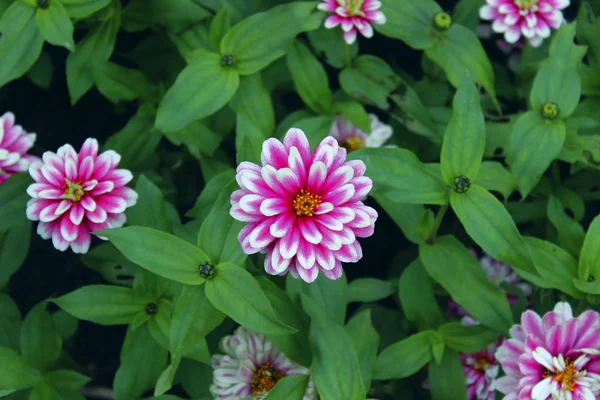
[
  {"x": 354, "y": 7},
  {"x": 353, "y": 143},
  {"x": 305, "y": 203},
  {"x": 526, "y": 4},
  {"x": 567, "y": 377},
  {"x": 73, "y": 191},
  {"x": 264, "y": 379}
]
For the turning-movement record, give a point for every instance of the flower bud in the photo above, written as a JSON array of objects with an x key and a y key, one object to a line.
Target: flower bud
[
  {"x": 462, "y": 184},
  {"x": 442, "y": 21},
  {"x": 207, "y": 270},
  {"x": 550, "y": 111},
  {"x": 227, "y": 60},
  {"x": 151, "y": 308}
]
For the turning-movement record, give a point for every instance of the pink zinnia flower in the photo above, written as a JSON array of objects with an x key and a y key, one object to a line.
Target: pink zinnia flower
[
  {"x": 353, "y": 15},
  {"x": 352, "y": 138},
  {"x": 556, "y": 357},
  {"x": 530, "y": 18},
  {"x": 14, "y": 144},
  {"x": 303, "y": 209},
  {"x": 76, "y": 194},
  {"x": 251, "y": 367},
  {"x": 497, "y": 273}
]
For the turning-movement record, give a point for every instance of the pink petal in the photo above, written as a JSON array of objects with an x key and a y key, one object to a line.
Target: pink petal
[
  {"x": 71, "y": 169},
  {"x": 52, "y": 175},
  {"x": 46, "y": 229},
  {"x": 289, "y": 243},
  {"x": 296, "y": 137},
  {"x": 112, "y": 204},
  {"x": 102, "y": 187},
  {"x": 278, "y": 263},
  {"x": 34, "y": 208},
  {"x": 81, "y": 245},
  {"x": 251, "y": 203},
  {"x": 330, "y": 222},
  {"x": 261, "y": 237},
  {"x": 237, "y": 213},
  {"x": 309, "y": 230},
  {"x": 362, "y": 187},
  {"x": 67, "y": 151},
  {"x": 307, "y": 275},
  {"x": 59, "y": 242},
  {"x": 275, "y": 206},
  {"x": 282, "y": 224},
  {"x": 35, "y": 189},
  {"x": 47, "y": 214},
  {"x": 35, "y": 170},
  {"x": 306, "y": 255},
  {"x": 289, "y": 180},
  {"x": 331, "y": 239},
  {"x": 296, "y": 164},
  {"x": 89, "y": 149},
  {"x": 120, "y": 177},
  {"x": 97, "y": 216},
  {"x": 340, "y": 195},
  {"x": 68, "y": 229},
  {"x": 532, "y": 323},
  {"x": 86, "y": 168},
  {"x": 335, "y": 273},
  {"x": 325, "y": 258},
  {"x": 128, "y": 194},
  {"x": 316, "y": 177},
  {"x": 274, "y": 154},
  {"x": 63, "y": 207},
  {"x": 76, "y": 214},
  {"x": 88, "y": 203}
]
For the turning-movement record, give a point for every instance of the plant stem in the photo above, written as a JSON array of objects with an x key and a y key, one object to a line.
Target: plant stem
[
  {"x": 347, "y": 57},
  {"x": 436, "y": 224}
]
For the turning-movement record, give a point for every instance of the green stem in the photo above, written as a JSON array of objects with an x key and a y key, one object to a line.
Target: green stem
[
  {"x": 436, "y": 224},
  {"x": 347, "y": 57}
]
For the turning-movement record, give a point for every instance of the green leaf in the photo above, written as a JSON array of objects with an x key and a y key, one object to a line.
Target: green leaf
[
  {"x": 158, "y": 252},
  {"x": 254, "y": 103},
  {"x": 369, "y": 79},
  {"x": 160, "y": 322},
  {"x": 464, "y": 140},
  {"x": 119, "y": 84},
  {"x": 42, "y": 71},
  {"x": 489, "y": 224},
  {"x": 290, "y": 388},
  {"x": 20, "y": 41},
  {"x": 14, "y": 197},
  {"x": 104, "y": 304},
  {"x": 354, "y": 112},
  {"x": 315, "y": 128},
  {"x": 14, "y": 245},
  {"x": 460, "y": 53},
  {"x": 589, "y": 261},
  {"x": 141, "y": 14},
  {"x": 188, "y": 41},
  {"x": 209, "y": 195},
  {"x": 367, "y": 290},
  {"x": 406, "y": 357},
  {"x": 331, "y": 295},
  {"x": 466, "y": 13},
  {"x": 111, "y": 264},
  {"x": 466, "y": 339},
  {"x": 366, "y": 340},
  {"x": 66, "y": 325},
  {"x": 558, "y": 80},
  {"x": 310, "y": 78},
  {"x": 42, "y": 391},
  {"x": 403, "y": 175},
  {"x": 194, "y": 317},
  {"x": 10, "y": 320},
  {"x": 330, "y": 46},
  {"x": 236, "y": 293},
  {"x": 534, "y": 144},
  {"x": 494, "y": 176},
  {"x": 454, "y": 267},
  {"x": 66, "y": 380},
  {"x": 335, "y": 369},
  {"x": 410, "y": 21},
  {"x": 201, "y": 89},
  {"x": 219, "y": 231},
  {"x": 14, "y": 373},
  {"x": 219, "y": 26},
  {"x": 150, "y": 209},
  {"x": 556, "y": 267},
  {"x": 570, "y": 233},
  {"x": 55, "y": 25},
  {"x": 417, "y": 297},
  {"x": 142, "y": 361},
  {"x": 40, "y": 343},
  {"x": 252, "y": 42},
  {"x": 93, "y": 50},
  {"x": 405, "y": 215},
  {"x": 447, "y": 378},
  {"x": 83, "y": 8}
]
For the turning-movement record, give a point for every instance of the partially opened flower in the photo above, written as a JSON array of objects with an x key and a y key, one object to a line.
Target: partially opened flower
[
  {"x": 554, "y": 357},
  {"x": 354, "y": 16},
  {"x": 304, "y": 210},
  {"x": 352, "y": 138},
  {"x": 251, "y": 367},
  {"x": 78, "y": 193},
  {"x": 530, "y": 18},
  {"x": 497, "y": 273},
  {"x": 14, "y": 144}
]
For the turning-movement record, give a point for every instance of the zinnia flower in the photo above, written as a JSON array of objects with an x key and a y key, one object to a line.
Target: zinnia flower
[
  {"x": 14, "y": 144},
  {"x": 303, "y": 209},
  {"x": 556, "y": 357},
  {"x": 251, "y": 367},
  {"x": 351, "y": 138},
  {"x": 353, "y": 15},
  {"x": 530, "y": 18},
  {"x": 76, "y": 194},
  {"x": 497, "y": 273}
]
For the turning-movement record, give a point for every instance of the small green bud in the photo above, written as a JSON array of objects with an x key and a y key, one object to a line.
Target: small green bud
[
  {"x": 207, "y": 270},
  {"x": 462, "y": 184},
  {"x": 151, "y": 308},
  {"x": 227, "y": 60},
  {"x": 550, "y": 111},
  {"x": 442, "y": 21},
  {"x": 43, "y": 3}
]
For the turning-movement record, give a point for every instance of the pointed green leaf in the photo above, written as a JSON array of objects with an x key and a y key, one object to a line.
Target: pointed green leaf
[
  {"x": 14, "y": 245},
  {"x": 331, "y": 295},
  {"x": 366, "y": 340},
  {"x": 66, "y": 380},
  {"x": 406, "y": 357},
  {"x": 290, "y": 388},
  {"x": 495, "y": 177},
  {"x": 40, "y": 343},
  {"x": 447, "y": 378},
  {"x": 55, "y": 25},
  {"x": 467, "y": 339},
  {"x": 83, "y": 8},
  {"x": 367, "y": 290},
  {"x": 417, "y": 297},
  {"x": 14, "y": 373},
  {"x": 589, "y": 261},
  {"x": 150, "y": 210}
]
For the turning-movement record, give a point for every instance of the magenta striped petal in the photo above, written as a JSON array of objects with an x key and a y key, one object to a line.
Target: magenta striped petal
[
  {"x": 274, "y": 154},
  {"x": 111, "y": 204},
  {"x": 76, "y": 214}
]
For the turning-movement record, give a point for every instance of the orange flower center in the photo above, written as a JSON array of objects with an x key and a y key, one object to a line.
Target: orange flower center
[
  {"x": 567, "y": 377},
  {"x": 353, "y": 143},
  {"x": 305, "y": 203},
  {"x": 354, "y": 7},
  {"x": 264, "y": 379},
  {"x": 73, "y": 191},
  {"x": 481, "y": 363}
]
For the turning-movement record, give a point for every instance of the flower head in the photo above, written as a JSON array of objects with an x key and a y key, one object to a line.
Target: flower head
[
  {"x": 352, "y": 138},
  {"x": 531, "y": 18},
  {"x": 303, "y": 209},
  {"x": 14, "y": 144},
  {"x": 251, "y": 366},
  {"x": 354, "y": 16},
  {"x": 554, "y": 357},
  {"x": 497, "y": 273},
  {"x": 78, "y": 193}
]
